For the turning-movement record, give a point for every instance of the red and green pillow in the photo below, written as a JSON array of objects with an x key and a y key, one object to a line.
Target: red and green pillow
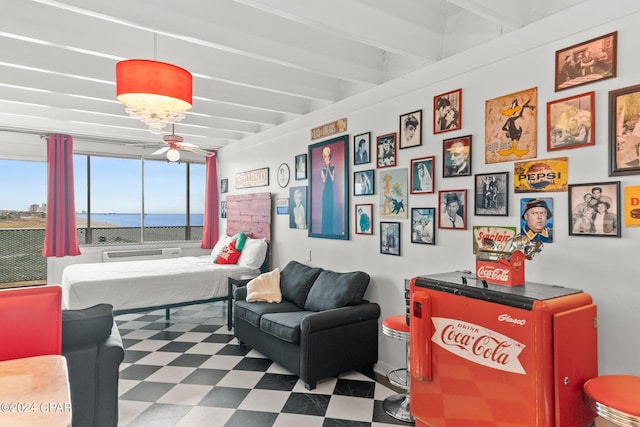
[{"x": 232, "y": 250}]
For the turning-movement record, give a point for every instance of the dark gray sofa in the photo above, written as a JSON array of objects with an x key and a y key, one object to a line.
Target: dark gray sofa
[
  {"x": 323, "y": 327},
  {"x": 92, "y": 345}
]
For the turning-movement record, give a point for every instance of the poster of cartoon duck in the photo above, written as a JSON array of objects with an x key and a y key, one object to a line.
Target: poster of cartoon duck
[{"x": 511, "y": 127}]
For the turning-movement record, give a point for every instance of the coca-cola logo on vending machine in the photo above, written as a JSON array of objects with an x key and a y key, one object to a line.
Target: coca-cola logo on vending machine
[{"x": 478, "y": 344}]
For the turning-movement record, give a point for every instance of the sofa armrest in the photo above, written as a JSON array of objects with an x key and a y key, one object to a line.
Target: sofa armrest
[
  {"x": 328, "y": 319},
  {"x": 240, "y": 293},
  {"x": 110, "y": 355}
]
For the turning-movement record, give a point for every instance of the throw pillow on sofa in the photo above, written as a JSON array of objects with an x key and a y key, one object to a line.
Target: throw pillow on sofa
[
  {"x": 335, "y": 290},
  {"x": 265, "y": 287},
  {"x": 295, "y": 281}
]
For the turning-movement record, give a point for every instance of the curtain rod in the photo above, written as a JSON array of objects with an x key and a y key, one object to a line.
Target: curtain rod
[{"x": 87, "y": 138}]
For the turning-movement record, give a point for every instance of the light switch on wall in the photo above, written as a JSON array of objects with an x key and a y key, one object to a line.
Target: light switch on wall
[{"x": 308, "y": 255}]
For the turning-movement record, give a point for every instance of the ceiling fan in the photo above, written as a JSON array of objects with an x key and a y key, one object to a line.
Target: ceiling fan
[{"x": 176, "y": 142}]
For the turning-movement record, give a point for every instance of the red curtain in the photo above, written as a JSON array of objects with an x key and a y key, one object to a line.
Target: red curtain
[
  {"x": 60, "y": 236},
  {"x": 210, "y": 229}
]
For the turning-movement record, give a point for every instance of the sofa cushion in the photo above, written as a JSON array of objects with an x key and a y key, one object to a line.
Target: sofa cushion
[
  {"x": 296, "y": 280},
  {"x": 89, "y": 325},
  {"x": 284, "y": 326},
  {"x": 253, "y": 311},
  {"x": 265, "y": 287},
  {"x": 335, "y": 290}
]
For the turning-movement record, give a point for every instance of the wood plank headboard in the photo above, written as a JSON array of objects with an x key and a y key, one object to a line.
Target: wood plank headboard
[{"x": 250, "y": 213}]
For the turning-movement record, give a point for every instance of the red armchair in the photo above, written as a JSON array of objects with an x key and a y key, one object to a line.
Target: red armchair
[{"x": 30, "y": 322}]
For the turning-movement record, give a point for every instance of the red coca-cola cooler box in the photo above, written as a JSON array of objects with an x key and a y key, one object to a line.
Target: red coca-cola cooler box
[
  {"x": 501, "y": 268},
  {"x": 487, "y": 355}
]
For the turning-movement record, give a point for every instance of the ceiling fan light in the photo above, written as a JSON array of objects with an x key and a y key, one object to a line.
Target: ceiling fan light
[
  {"x": 156, "y": 93},
  {"x": 173, "y": 155}
]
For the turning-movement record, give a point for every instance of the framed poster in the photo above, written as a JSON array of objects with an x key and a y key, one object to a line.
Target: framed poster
[
  {"x": 422, "y": 181},
  {"x": 223, "y": 209},
  {"x": 447, "y": 111},
  {"x": 587, "y": 62},
  {"x": 363, "y": 184},
  {"x": 390, "y": 238},
  {"x": 536, "y": 219},
  {"x": 298, "y": 208},
  {"x": 456, "y": 157},
  {"x": 224, "y": 185},
  {"x": 282, "y": 206},
  {"x": 423, "y": 226},
  {"x": 329, "y": 188},
  {"x": 364, "y": 218},
  {"x": 571, "y": 122},
  {"x": 492, "y": 194},
  {"x": 453, "y": 205},
  {"x": 594, "y": 209},
  {"x": 511, "y": 127},
  {"x": 301, "y": 167},
  {"x": 386, "y": 150},
  {"x": 253, "y": 178},
  {"x": 362, "y": 148},
  {"x": 411, "y": 129},
  {"x": 624, "y": 131},
  {"x": 393, "y": 194}
]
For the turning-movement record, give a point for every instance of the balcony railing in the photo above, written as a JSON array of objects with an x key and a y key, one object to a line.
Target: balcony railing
[{"x": 21, "y": 257}]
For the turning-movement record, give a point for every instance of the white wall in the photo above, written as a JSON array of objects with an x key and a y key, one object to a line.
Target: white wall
[{"x": 601, "y": 266}]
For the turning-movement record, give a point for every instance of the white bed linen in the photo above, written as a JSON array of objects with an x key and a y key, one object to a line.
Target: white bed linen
[{"x": 148, "y": 283}]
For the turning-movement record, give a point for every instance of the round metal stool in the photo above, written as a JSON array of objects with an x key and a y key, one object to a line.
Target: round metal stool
[
  {"x": 615, "y": 398},
  {"x": 398, "y": 406}
]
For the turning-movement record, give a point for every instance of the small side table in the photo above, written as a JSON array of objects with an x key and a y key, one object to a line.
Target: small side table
[{"x": 235, "y": 281}]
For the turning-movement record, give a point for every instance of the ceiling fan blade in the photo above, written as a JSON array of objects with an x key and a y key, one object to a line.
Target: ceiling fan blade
[
  {"x": 160, "y": 151},
  {"x": 195, "y": 149},
  {"x": 188, "y": 144}
]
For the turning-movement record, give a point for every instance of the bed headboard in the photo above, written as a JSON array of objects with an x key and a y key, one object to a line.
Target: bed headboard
[{"x": 251, "y": 213}]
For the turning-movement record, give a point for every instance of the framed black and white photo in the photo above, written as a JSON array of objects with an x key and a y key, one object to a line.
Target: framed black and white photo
[
  {"x": 411, "y": 129},
  {"x": 594, "y": 209},
  {"x": 224, "y": 185},
  {"x": 390, "y": 238},
  {"x": 422, "y": 175},
  {"x": 363, "y": 183},
  {"x": 386, "y": 150},
  {"x": 492, "y": 194},
  {"x": 423, "y": 228},
  {"x": 223, "y": 209},
  {"x": 453, "y": 209},
  {"x": 283, "y": 175},
  {"x": 362, "y": 148}
]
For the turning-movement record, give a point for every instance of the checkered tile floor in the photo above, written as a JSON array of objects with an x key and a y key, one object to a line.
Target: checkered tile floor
[{"x": 190, "y": 371}]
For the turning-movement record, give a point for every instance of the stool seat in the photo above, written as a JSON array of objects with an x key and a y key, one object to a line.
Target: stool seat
[
  {"x": 615, "y": 398},
  {"x": 396, "y": 327},
  {"x": 398, "y": 406}
]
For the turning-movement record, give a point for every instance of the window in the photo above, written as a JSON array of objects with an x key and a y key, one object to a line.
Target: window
[{"x": 130, "y": 201}]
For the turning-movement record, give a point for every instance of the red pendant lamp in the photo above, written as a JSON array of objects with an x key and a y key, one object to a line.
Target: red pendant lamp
[{"x": 153, "y": 92}]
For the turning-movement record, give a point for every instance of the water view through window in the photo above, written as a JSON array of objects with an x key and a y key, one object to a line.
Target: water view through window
[{"x": 118, "y": 201}]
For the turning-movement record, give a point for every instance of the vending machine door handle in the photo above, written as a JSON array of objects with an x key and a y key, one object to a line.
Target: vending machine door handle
[{"x": 420, "y": 337}]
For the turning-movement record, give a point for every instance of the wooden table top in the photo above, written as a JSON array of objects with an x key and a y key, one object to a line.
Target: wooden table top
[{"x": 34, "y": 391}]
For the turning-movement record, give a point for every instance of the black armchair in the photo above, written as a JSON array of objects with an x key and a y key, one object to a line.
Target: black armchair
[{"x": 92, "y": 345}]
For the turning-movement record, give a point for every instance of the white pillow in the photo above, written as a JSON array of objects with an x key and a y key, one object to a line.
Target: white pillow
[
  {"x": 253, "y": 253},
  {"x": 265, "y": 287},
  {"x": 220, "y": 244}
]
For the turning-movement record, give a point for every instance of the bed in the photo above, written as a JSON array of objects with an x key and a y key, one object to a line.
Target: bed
[{"x": 133, "y": 286}]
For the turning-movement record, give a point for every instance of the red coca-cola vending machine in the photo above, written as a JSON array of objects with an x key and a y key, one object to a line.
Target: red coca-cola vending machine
[{"x": 489, "y": 355}]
